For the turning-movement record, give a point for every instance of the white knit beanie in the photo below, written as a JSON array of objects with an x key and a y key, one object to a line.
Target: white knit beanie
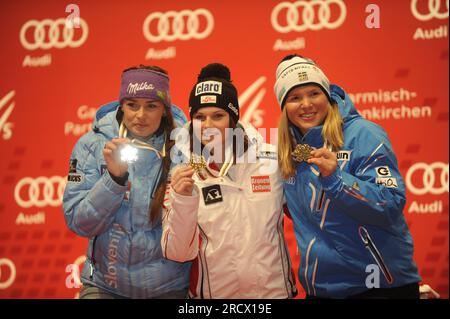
[{"x": 295, "y": 72}]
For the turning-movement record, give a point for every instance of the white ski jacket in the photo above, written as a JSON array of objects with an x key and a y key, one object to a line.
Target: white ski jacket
[{"x": 232, "y": 228}]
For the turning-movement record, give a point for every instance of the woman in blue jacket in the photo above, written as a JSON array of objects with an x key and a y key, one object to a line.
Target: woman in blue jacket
[
  {"x": 343, "y": 189},
  {"x": 115, "y": 199}
]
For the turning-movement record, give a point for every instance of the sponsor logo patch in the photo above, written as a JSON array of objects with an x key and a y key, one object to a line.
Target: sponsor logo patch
[
  {"x": 383, "y": 171},
  {"x": 343, "y": 155},
  {"x": 261, "y": 184},
  {"x": 267, "y": 154},
  {"x": 73, "y": 165},
  {"x": 233, "y": 108},
  {"x": 302, "y": 76},
  {"x": 212, "y": 194},
  {"x": 291, "y": 180},
  {"x": 208, "y": 99},
  {"x": 208, "y": 87},
  {"x": 75, "y": 178},
  {"x": 389, "y": 182}
]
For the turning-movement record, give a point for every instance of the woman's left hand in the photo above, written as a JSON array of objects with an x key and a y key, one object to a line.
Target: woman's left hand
[{"x": 325, "y": 160}]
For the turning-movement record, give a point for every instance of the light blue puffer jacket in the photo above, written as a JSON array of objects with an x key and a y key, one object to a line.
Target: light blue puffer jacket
[{"x": 124, "y": 254}]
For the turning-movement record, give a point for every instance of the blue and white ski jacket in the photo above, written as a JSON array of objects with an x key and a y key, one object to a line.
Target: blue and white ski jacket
[{"x": 349, "y": 226}]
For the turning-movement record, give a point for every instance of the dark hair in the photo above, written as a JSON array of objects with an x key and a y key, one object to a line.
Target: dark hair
[
  {"x": 290, "y": 56},
  {"x": 166, "y": 126},
  {"x": 157, "y": 202},
  {"x": 147, "y": 67}
]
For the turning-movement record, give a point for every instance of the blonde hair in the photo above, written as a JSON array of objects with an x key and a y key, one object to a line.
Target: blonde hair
[{"x": 332, "y": 135}]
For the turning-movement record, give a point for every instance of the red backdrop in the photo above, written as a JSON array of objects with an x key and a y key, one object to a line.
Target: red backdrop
[{"x": 53, "y": 78}]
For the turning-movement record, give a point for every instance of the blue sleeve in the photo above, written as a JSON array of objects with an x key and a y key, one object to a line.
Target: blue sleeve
[
  {"x": 178, "y": 116},
  {"x": 90, "y": 199},
  {"x": 372, "y": 191}
]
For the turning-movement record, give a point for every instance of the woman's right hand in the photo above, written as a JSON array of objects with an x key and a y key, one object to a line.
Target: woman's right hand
[
  {"x": 182, "y": 181},
  {"x": 111, "y": 153}
]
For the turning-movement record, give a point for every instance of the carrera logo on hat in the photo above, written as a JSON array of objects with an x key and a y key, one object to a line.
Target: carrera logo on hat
[
  {"x": 208, "y": 99},
  {"x": 212, "y": 194},
  {"x": 133, "y": 88},
  {"x": 208, "y": 87},
  {"x": 303, "y": 76},
  {"x": 261, "y": 184},
  {"x": 233, "y": 108}
]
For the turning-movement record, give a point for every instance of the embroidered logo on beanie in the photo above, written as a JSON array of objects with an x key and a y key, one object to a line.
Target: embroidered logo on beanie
[{"x": 208, "y": 87}]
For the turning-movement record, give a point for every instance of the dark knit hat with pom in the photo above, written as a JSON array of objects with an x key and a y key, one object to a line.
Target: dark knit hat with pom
[{"x": 214, "y": 88}]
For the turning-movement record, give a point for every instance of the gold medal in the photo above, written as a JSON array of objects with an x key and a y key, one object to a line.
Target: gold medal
[
  {"x": 197, "y": 162},
  {"x": 302, "y": 153}
]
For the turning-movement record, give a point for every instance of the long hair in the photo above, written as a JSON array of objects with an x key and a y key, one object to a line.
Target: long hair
[
  {"x": 331, "y": 132},
  {"x": 165, "y": 128},
  {"x": 167, "y": 124}
]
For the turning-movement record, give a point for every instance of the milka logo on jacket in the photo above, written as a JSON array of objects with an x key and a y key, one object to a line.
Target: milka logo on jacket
[
  {"x": 133, "y": 88},
  {"x": 208, "y": 87}
]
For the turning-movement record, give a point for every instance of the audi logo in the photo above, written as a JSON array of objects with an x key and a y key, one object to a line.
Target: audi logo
[
  {"x": 171, "y": 25},
  {"x": 429, "y": 178},
  {"x": 5, "y": 283},
  {"x": 40, "y": 191},
  {"x": 52, "y": 38},
  {"x": 434, "y": 10},
  {"x": 307, "y": 20}
]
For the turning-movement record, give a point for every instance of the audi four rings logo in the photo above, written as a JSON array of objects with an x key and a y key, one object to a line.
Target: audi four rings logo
[
  {"x": 41, "y": 191},
  {"x": 434, "y": 10},
  {"x": 430, "y": 173},
  {"x": 46, "y": 34},
  {"x": 6, "y": 282},
  {"x": 307, "y": 20},
  {"x": 171, "y": 25}
]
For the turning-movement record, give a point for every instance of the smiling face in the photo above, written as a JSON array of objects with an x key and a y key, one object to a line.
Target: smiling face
[
  {"x": 212, "y": 117},
  {"x": 142, "y": 117},
  {"x": 307, "y": 106}
]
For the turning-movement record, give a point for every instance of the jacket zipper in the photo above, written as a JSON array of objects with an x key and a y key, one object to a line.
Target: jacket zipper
[
  {"x": 370, "y": 245},
  {"x": 92, "y": 259}
]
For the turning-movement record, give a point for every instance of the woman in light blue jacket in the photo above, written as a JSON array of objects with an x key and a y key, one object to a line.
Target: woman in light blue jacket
[
  {"x": 115, "y": 190},
  {"x": 343, "y": 189}
]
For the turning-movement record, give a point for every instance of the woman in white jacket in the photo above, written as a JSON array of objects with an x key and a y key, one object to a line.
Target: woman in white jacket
[{"x": 224, "y": 210}]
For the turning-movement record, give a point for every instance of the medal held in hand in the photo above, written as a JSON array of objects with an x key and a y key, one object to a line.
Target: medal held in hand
[
  {"x": 302, "y": 153},
  {"x": 197, "y": 162}
]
